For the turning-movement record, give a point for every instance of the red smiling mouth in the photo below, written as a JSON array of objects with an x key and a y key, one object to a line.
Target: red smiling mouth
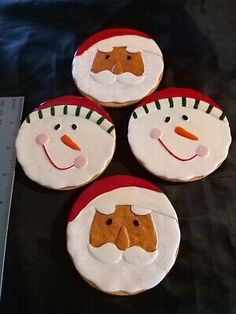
[
  {"x": 53, "y": 163},
  {"x": 79, "y": 162},
  {"x": 175, "y": 156}
]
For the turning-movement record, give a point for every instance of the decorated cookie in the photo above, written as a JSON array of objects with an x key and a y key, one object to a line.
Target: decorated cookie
[
  {"x": 179, "y": 134},
  {"x": 118, "y": 67},
  {"x": 66, "y": 142},
  {"x": 123, "y": 235}
]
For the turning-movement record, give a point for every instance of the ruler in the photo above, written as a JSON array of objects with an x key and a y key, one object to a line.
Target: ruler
[{"x": 10, "y": 117}]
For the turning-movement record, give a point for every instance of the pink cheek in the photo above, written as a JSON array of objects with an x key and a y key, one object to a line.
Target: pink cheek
[
  {"x": 155, "y": 133},
  {"x": 81, "y": 162},
  {"x": 42, "y": 139},
  {"x": 202, "y": 151}
]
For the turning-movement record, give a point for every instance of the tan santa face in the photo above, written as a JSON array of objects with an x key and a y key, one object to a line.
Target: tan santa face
[
  {"x": 118, "y": 61},
  {"x": 124, "y": 229},
  {"x": 131, "y": 244}
]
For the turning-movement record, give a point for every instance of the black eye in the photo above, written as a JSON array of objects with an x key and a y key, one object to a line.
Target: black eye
[
  {"x": 184, "y": 117},
  {"x": 167, "y": 119},
  {"x": 129, "y": 57},
  {"x": 57, "y": 126},
  {"x": 74, "y": 126},
  {"x": 136, "y": 222},
  {"x": 107, "y": 57},
  {"x": 109, "y": 221}
]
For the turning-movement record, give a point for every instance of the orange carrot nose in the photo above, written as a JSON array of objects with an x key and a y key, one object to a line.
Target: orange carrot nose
[
  {"x": 69, "y": 142},
  {"x": 182, "y": 132}
]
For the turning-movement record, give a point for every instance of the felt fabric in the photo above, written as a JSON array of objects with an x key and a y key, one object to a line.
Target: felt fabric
[{"x": 38, "y": 40}]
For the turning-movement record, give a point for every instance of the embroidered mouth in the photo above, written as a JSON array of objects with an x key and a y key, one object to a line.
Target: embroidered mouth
[{"x": 174, "y": 155}]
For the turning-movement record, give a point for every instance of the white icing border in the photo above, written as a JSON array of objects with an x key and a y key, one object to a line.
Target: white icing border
[
  {"x": 71, "y": 109},
  {"x": 177, "y": 102}
]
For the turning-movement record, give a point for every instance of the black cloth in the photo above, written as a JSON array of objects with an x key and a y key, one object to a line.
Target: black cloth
[{"x": 37, "y": 43}]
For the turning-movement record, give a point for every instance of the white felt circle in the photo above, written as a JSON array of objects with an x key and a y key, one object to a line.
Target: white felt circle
[
  {"x": 119, "y": 91},
  {"x": 157, "y": 146},
  {"x": 97, "y": 148},
  {"x": 118, "y": 274}
]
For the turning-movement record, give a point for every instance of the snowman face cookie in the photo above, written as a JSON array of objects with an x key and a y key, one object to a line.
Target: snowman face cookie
[
  {"x": 123, "y": 235},
  {"x": 179, "y": 134},
  {"x": 65, "y": 143},
  {"x": 118, "y": 67}
]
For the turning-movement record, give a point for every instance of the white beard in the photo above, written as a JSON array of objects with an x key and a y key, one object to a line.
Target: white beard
[
  {"x": 108, "y": 87},
  {"x": 108, "y": 253},
  {"x": 107, "y": 78}
]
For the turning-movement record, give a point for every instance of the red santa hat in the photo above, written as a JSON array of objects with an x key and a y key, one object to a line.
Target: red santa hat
[
  {"x": 119, "y": 37},
  {"x": 106, "y": 185},
  {"x": 171, "y": 97},
  {"x": 77, "y": 106}
]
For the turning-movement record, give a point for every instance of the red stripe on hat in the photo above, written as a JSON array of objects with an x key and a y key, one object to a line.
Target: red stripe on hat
[
  {"x": 75, "y": 101},
  {"x": 106, "y": 185},
  {"x": 178, "y": 92},
  {"x": 108, "y": 33}
]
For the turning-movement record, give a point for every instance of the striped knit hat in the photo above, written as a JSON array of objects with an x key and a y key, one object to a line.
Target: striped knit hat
[
  {"x": 109, "y": 38},
  {"x": 74, "y": 106},
  {"x": 178, "y": 97}
]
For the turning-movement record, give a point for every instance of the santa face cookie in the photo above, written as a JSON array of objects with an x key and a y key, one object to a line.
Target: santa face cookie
[
  {"x": 123, "y": 235},
  {"x": 179, "y": 134},
  {"x": 118, "y": 67},
  {"x": 66, "y": 142}
]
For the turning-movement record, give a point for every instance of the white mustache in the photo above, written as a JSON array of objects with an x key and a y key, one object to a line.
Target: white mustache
[
  {"x": 109, "y": 253},
  {"x": 107, "y": 77}
]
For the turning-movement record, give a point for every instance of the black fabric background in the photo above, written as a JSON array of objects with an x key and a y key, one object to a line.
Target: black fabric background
[{"x": 197, "y": 38}]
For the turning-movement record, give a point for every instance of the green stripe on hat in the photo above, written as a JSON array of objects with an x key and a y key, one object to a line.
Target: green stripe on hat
[
  {"x": 28, "y": 119},
  {"x": 197, "y": 101},
  {"x": 210, "y": 107},
  {"x": 40, "y": 114},
  {"x": 222, "y": 116},
  {"x": 52, "y": 110},
  {"x": 135, "y": 115},
  {"x": 65, "y": 109},
  {"x": 146, "y": 108},
  {"x": 184, "y": 101},
  {"x": 158, "y": 106},
  {"x": 77, "y": 111},
  {"x": 88, "y": 115},
  {"x": 100, "y": 120},
  {"x": 110, "y": 129},
  {"x": 171, "y": 102}
]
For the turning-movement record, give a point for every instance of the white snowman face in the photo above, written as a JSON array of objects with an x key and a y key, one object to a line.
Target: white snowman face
[
  {"x": 64, "y": 151},
  {"x": 180, "y": 143}
]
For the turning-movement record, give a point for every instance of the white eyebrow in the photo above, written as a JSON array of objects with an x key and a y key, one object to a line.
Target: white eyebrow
[
  {"x": 132, "y": 50},
  {"x": 105, "y": 48},
  {"x": 106, "y": 210},
  {"x": 140, "y": 210}
]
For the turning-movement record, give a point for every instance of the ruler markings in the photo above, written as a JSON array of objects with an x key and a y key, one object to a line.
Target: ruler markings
[{"x": 10, "y": 112}]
